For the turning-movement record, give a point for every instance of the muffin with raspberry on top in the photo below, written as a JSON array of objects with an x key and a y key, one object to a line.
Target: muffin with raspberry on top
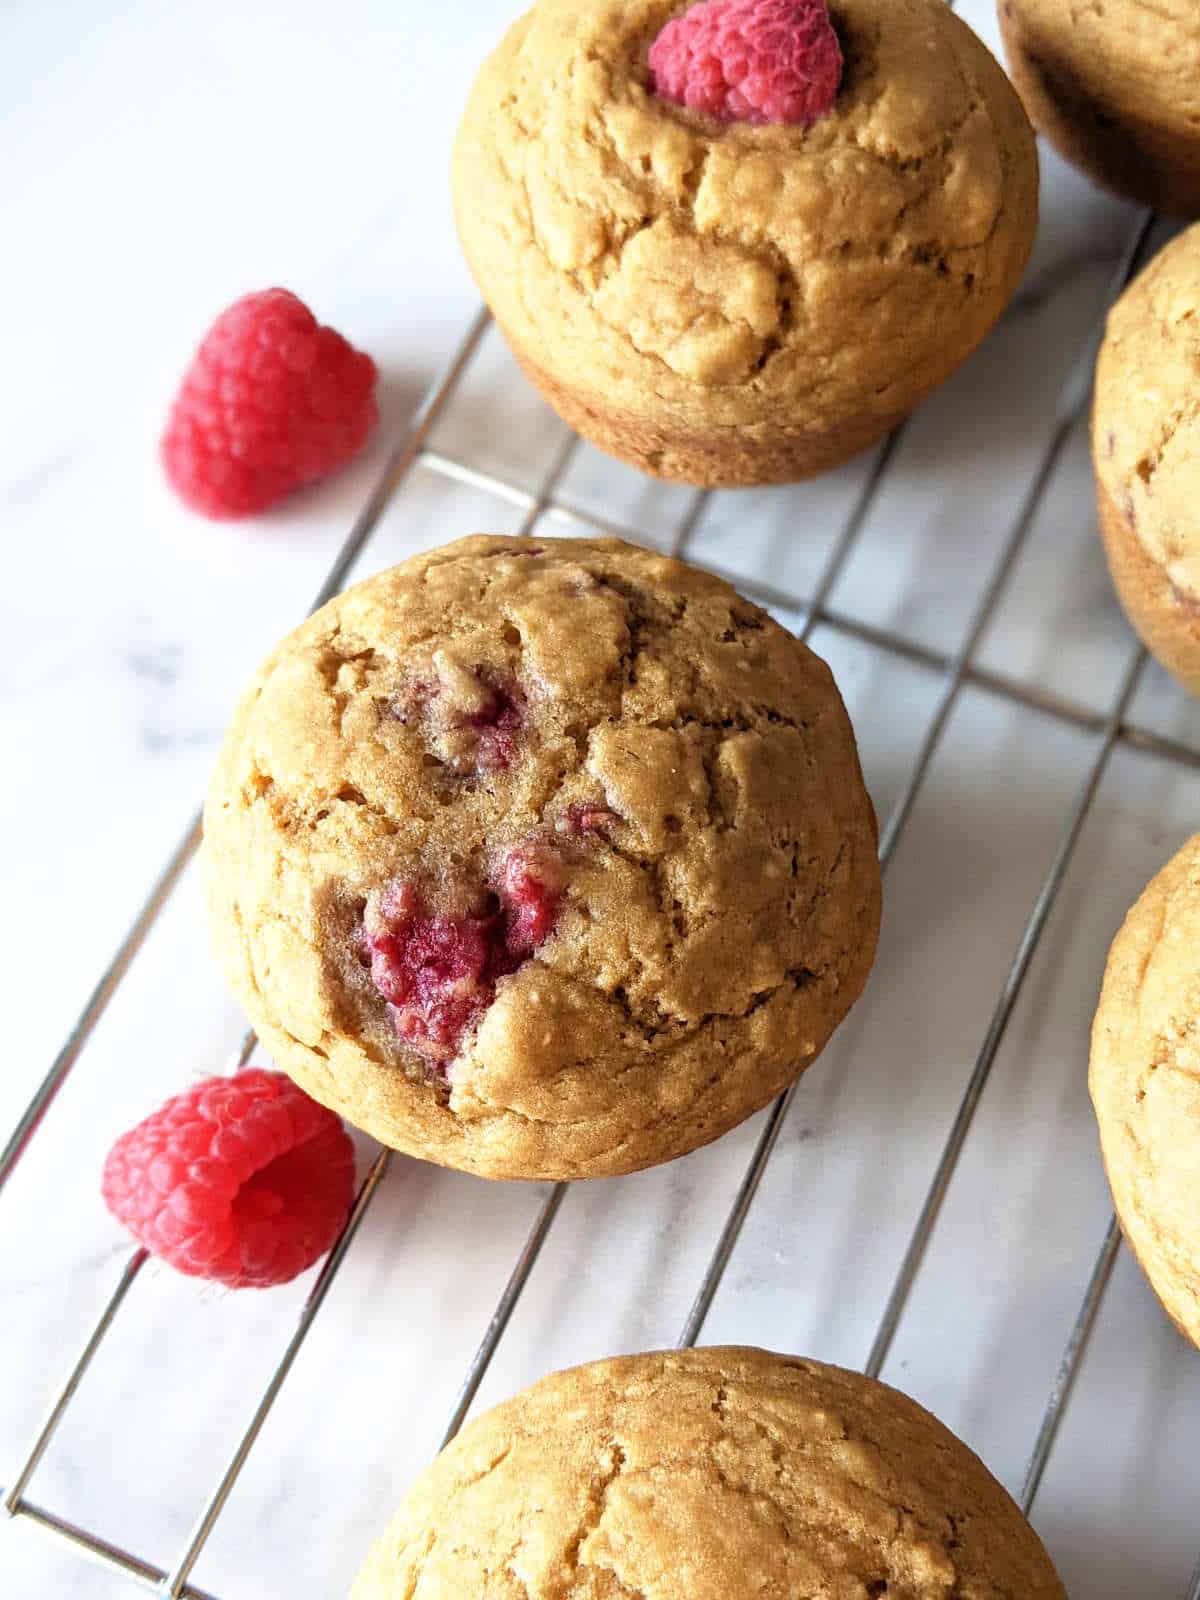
[
  {"x": 736, "y": 242},
  {"x": 542, "y": 859}
]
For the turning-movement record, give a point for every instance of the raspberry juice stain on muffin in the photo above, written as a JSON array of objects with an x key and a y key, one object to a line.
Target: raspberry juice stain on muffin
[
  {"x": 473, "y": 714},
  {"x": 542, "y": 860}
]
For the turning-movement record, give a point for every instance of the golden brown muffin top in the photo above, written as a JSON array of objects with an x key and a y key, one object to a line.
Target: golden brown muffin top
[
  {"x": 714, "y": 1474},
  {"x": 668, "y": 763},
  {"x": 725, "y": 267},
  {"x": 1136, "y": 55},
  {"x": 1145, "y": 1083},
  {"x": 1146, "y": 423}
]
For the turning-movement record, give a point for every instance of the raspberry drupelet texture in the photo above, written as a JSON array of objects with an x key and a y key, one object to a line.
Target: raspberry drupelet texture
[
  {"x": 750, "y": 60},
  {"x": 244, "y": 1180},
  {"x": 272, "y": 401},
  {"x": 437, "y": 968}
]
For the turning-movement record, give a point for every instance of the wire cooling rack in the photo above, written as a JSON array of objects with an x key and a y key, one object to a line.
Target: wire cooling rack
[{"x": 547, "y": 502}]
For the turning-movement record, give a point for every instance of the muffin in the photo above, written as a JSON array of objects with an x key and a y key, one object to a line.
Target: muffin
[
  {"x": 1145, "y": 1083},
  {"x": 1146, "y": 450},
  {"x": 731, "y": 302},
  {"x": 715, "y": 1474},
  {"x": 542, "y": 859},
  {"x": 1116, "y": 90}
]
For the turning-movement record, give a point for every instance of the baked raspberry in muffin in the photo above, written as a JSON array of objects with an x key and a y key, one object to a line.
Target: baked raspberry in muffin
[
  {"x": 542, "y": 859},
  {"x": 736, "y": 243}
]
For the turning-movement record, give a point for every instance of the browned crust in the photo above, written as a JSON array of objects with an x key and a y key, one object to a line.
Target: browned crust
[
  {"x": 585, "y": 1070},
  {"x": 1151, "y": 1278},
  {"x": 718, "y": 458},
  {"x": 1129, "y": 1052},
  {"x": 747, "y": 1473},
  {"x": 1115, "y": 143},
  {"x": 814, "y": 287},
  {"x": 1166, "y": 620}
]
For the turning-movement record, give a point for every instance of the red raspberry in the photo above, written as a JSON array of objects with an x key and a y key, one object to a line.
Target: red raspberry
[
  {"x": 244, "y": 1180},
  {"x": 477, "y": 720},
  {"x": 496, "y": 723},
  {"x": 586, "y": 816},
  {"x": 438, "y": 969},
  {"x": 271, "y": 402},
  {"x": 750, "y": 60},
  {"x": 531, "y": 887}
]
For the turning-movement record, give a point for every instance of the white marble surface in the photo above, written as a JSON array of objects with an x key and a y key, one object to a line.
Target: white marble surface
[{"x": 159, "y": 161}]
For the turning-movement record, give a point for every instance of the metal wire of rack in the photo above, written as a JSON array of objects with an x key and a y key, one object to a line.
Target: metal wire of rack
[{"x": 957, "y": 671}]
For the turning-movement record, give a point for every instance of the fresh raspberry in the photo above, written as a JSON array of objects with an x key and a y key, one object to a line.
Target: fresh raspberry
[
  {"x": 437, "y": 969},
  {"x": 750, "y": 60},
  {"x": 272, "y": 401},
  {"x": 244, "y": 1180}
]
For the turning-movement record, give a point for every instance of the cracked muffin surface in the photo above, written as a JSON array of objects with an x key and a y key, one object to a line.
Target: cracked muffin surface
[
  {"x": 1146, "y": 451},
  {"x": 1115, "y": 86},
  {"x": 1145, "y": 1084},
  {"x": 542, "y": 858},
  {"x": 713, "y": 1474},
  {"x": 728, "y": 303}
]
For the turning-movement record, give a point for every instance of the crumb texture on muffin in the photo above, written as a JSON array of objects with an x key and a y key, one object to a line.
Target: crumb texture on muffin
[
  {"x": 542, "y": 858},
  {"x": 1146, "y": 450},
  {"x": 1115, "y": 85},
  {"x": 714, "y": 1474},
  {"x": 1145, "y": 1083},
  {"x": 1147, "y": 409},
  {"x": 742, "y": 278}
]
